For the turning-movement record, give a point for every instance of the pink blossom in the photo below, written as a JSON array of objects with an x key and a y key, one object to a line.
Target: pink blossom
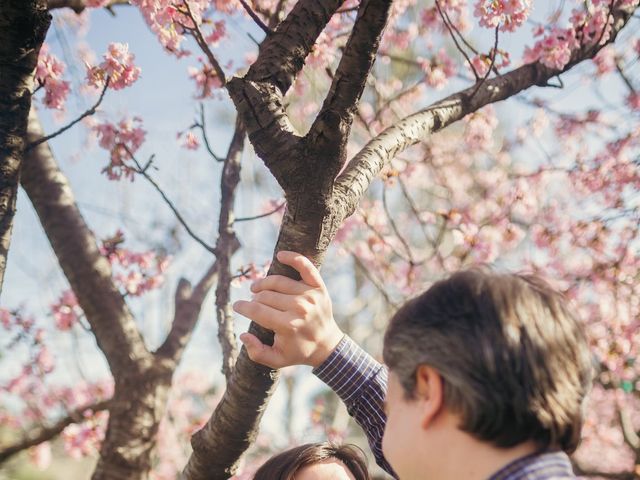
[
  {"x": 135, "y": 272},
  {"x": 6, "y": 318},
  {"x": 66, "y": 311},
  {"x": 633, "y": 100},
  {"x": 122, "y": 140},
  {"x": 191, "y": 142},
  {"x": 605, "y": 60},
  {"x": 44, "y": 360},
  {"x": 508, "y": 14},
  {"x": 206, "y": 79},
  {"x": 592, "y": 26},
  {"x": 480, "y": 127},
  {"x": 84, "y": 439},
  {"x": 117, "y": 66},
  {"x": 554, "y": 50},
  {"x": 218, "y": 32},
  {"x": 438, "y": 69},
  {"x": 481, "y": 64},
  {"x": 49, "y": 72}
]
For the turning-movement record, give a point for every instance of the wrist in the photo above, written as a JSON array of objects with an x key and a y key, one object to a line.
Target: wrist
[{"x": 325, "y": 348}]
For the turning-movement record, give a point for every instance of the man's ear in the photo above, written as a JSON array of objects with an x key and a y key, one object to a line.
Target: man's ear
[{"x": 430, "y": 393}]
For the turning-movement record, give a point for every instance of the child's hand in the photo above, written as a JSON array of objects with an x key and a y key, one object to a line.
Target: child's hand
[{"x": 299, "y": 313}]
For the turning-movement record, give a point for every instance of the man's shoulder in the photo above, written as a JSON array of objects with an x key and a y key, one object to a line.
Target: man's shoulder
[{"x": 538, "y": 466}]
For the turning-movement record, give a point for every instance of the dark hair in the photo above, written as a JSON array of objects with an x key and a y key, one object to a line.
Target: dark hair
[
  {"x": 514, "y": 361},
  {"x": 284, "y": 465}
]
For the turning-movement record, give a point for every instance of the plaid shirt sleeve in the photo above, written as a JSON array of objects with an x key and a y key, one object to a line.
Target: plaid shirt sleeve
[{"x": 361, "y": 383}]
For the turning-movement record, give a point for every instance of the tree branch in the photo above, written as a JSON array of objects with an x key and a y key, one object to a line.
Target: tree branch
[
  {"x": 43, "y": 434},
  {"x": 366, "y": 164},
  {"x": 255, "y": 17},
  {"x": 258, "y": 96},
  {"x": 331, "y": 128},
  {"x": 226, "y": 246},
  {"x": 23, "y": 26},
  {"x": 87, "y": 271},
  {"x": 143, "y": 171},
  {"x": 202, "y": 43},
  {"x": 188, "y": 304},
  {"x": 283, "y": 53},
  {"x": 88, "y": 113},
  {"x": 263, "y": 215}
]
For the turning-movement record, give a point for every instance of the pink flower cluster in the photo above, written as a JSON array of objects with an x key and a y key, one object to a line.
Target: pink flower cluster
[
  {"x": 136, "y": 273},
  {"x": 480, "y": 127},
  {"x": 605, "y": 60},
  {"x": 190, "y": 141},
  {"x": 251, "y": 272},
  {"x": 66, "y": 311},
  {"x": 457, "y": 12},
  {"x": 49, "y": 72},
  {"x": 554, "y": 50},
  {"x": 166, "y": 17},
  {"x": 438, "y": 69},
  {"x": 117, "y": 66},
  {"x": 84, "y": 439},
  {"x": 206, "y": 79},
  {"x": 121, "y": 140},
  {"x": 587, "y": 27},
  {"x": 27, "y": 333},
  {"x": 508, "y": 14}
]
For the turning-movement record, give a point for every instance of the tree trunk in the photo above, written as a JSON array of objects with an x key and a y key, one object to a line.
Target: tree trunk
[
  {"x": 23, "y": 26},
  {"x": 138, "y": 405}
]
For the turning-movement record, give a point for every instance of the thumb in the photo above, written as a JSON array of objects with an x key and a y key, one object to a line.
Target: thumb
[{"x": 259, "y": 352}]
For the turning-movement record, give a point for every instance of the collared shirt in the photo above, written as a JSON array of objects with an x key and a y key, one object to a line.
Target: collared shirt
[{"x": 361, "y": 382}]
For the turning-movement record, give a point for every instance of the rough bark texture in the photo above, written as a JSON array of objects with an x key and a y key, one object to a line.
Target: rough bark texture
[
  {"x": 138, "y": 405},
  {"x": 226, "y": 246},
  {"x": 311, "y": 218},
  {"x": 23, "y": 26}
]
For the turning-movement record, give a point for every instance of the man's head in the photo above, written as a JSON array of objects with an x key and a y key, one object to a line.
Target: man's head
[{"x": 510, "y": 357}]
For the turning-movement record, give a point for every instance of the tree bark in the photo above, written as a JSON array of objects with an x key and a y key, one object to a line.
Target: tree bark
[
  {"x": 23, "y": 27},
  {"x": 226, "y": 246}
]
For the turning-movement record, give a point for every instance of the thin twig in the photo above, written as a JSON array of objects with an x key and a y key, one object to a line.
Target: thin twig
[
  {"x": 247, "y": 219},
  {"x": 199, "y": 38},
  {"x": 455, "y": 40},
  {"x": 203, "y": 127},
  {"x": 143, "y": 171},
  {"x": 624, "y": 77},
  {"x": 256, "y": 18},
  {"x": 494, "y": 54},
  {"x": 376, "y": 283},
  {"x": 394, "y": 226},
  {"x": 89, "y": 112}
]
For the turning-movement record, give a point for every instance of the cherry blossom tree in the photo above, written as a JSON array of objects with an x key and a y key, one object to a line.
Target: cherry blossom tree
[{"x": 406, "y": 161}]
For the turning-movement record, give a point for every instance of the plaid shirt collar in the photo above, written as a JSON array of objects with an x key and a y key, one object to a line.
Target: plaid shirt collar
[{"x": 537, "y": 466}]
